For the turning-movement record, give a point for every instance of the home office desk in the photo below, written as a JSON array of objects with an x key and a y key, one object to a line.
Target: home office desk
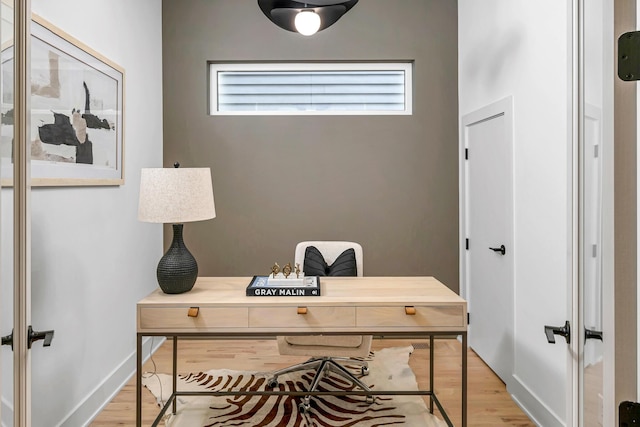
[{"x": 386, "y": 307}]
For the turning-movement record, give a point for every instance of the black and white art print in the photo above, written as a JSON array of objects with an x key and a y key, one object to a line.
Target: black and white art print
[{"x": 76, "y": 129}]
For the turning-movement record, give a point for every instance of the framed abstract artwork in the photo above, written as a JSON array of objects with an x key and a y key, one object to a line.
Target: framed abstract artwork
[{"x": 77, "y": 112}]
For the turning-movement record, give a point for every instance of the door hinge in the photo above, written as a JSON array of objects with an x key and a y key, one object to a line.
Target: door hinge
[
  {"x": 468, "y": 318},
  {"x": 596, "y": 151},
  {"x": 629, "y": 56},
  {"x": 466, "y": 244},
  {"x": 466, "y": 154},
  {"x": 629, "y": 414}
]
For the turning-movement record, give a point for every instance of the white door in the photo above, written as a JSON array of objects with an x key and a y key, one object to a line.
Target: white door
[{"x": 488, "y": 140}]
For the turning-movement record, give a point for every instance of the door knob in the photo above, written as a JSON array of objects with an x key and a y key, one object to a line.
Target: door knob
[
  {"x": 501, "y": 249},
  {"x": 591, "y": 334},
  {"x": 564, "y": 331}
]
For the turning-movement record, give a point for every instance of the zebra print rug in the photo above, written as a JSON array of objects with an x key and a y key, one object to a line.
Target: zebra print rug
[{"x": 389, "y": 369}]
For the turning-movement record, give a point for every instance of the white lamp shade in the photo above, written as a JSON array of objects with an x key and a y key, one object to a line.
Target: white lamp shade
[
  {"x": 176, "y": 195},
  {"x": 307, "y": 22}
]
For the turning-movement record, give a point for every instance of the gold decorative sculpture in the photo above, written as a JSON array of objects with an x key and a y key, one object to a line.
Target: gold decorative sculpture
[
  {"x": 286, "y": 270},
  {"x": 275, "y": 269}
]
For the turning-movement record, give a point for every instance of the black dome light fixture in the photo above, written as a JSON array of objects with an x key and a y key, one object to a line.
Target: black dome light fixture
[{"x": 305, "y": 17}]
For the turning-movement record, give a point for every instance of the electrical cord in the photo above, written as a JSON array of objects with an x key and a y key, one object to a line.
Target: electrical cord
[{"x": 154, "y": 373}]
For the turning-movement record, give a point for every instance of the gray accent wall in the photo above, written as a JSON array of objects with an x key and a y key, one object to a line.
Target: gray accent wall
[{"x": 387, "y": 182}]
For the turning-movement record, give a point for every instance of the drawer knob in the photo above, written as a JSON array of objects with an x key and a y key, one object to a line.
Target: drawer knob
[
  {"x": 193, "y": 311},
  {"x": 410, "y": 310},
  {"x": 302, "y": 310}
]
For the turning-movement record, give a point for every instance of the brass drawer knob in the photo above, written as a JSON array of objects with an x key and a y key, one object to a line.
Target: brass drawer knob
[
  {"x": 302, "y": 310},
  {"x": 410, "y": 310},
  {"x": 193, "y": 311}
]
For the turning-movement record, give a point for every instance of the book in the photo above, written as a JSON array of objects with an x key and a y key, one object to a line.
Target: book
[{"x": 263, "y": 286}]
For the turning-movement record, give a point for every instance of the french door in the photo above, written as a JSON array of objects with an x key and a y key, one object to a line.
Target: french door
[
  {"x": 607, "y": 192},
  {"x": 15, "y": 17},
  {"x": 593, "y": 146}
]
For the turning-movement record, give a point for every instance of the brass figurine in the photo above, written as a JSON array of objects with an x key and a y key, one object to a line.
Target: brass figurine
[
  {"x": 275, "y": 269},
  {"x": 286, "y": 270}
]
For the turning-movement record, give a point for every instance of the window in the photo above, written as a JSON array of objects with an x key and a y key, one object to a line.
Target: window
[{"x": 310, "y": 88}]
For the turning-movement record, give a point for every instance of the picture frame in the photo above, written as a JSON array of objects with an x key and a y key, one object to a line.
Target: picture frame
[{"x": 77, "y": 112}]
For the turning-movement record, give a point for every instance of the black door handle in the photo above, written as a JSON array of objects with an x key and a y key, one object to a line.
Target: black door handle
[
  {"x": 564, "y": 331},
  {"x": 501, "y": 249},
  {"x": 591, "y": 334},
  {"x": 8, "y": 340},
  {"x": 32, "y": 336},
  {"x": 47, "y": 336}
]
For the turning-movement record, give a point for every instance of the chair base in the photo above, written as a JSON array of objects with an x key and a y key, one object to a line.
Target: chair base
[{"x": 322, "y": 365}]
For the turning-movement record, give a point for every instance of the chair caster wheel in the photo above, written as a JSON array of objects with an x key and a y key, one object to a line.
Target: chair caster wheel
[
  {"x": 370, "y": 399},
  {"x": 304, "y": 407},
  {"x": 364, "y": 370},
  {"x": 272, "y": 383}
]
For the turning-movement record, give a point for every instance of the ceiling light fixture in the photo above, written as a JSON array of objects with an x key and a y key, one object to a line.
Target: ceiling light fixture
[{"x": 305, "y": 18}]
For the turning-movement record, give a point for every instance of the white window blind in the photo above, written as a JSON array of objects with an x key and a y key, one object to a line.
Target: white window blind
[{"x": 311, "y": 88}]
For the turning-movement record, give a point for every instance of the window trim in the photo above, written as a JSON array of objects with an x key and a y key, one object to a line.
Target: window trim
[{"x": 215, "y": 67}]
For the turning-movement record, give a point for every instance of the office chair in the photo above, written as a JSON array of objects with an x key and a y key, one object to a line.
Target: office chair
[{"x": 327, "y": 351}]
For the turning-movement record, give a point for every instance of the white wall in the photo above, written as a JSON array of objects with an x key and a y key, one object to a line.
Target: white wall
[
  {"x": 91, "y": 258},
  {"x": 521, "y": 48}
]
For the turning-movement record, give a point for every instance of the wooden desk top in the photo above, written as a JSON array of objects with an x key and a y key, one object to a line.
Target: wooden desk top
[
  {"x": 230, "y": 291},
  {"x": 347, "y": 305}
]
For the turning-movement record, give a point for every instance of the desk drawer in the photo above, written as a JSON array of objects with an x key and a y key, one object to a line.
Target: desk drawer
[
  {"x": 431, "y": 316},
  {"x": 207, "y": 317},
  {"x": 288, "y": 317}
]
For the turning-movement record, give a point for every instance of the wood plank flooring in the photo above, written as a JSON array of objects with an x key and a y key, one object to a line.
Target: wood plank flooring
[{"x": 489, "y": 405}]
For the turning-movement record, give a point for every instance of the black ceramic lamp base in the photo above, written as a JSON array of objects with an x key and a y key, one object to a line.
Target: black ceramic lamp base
[{"x": 177, "y": 270}]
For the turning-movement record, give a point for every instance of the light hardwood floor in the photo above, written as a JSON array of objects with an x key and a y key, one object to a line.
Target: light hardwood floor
[{"x": 489, "y": 405}]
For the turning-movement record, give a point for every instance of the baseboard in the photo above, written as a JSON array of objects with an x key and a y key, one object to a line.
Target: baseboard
[
  {"x": 539, "y": 413},
  {"x": 99, "y": 397}
]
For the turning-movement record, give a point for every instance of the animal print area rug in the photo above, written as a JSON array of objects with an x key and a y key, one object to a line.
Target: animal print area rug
[{"x": 389, "y": 370}]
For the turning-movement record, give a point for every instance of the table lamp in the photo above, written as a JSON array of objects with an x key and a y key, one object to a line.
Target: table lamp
[{"x": 175, "y": 196}]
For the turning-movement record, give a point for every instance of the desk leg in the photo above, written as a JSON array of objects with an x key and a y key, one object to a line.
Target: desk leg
[
  {"x": 431, "y": 361},
  {"x": 175, "y": 369},
  {"x": 139, "y": 381},
  {"x": 464, "y": 379}
]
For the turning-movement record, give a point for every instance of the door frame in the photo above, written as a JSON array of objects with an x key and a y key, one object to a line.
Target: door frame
[
  {"x": 619, "y": 214},
  {"x": 22, "y": 216},
  {"x": 620, "y": 319}
]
